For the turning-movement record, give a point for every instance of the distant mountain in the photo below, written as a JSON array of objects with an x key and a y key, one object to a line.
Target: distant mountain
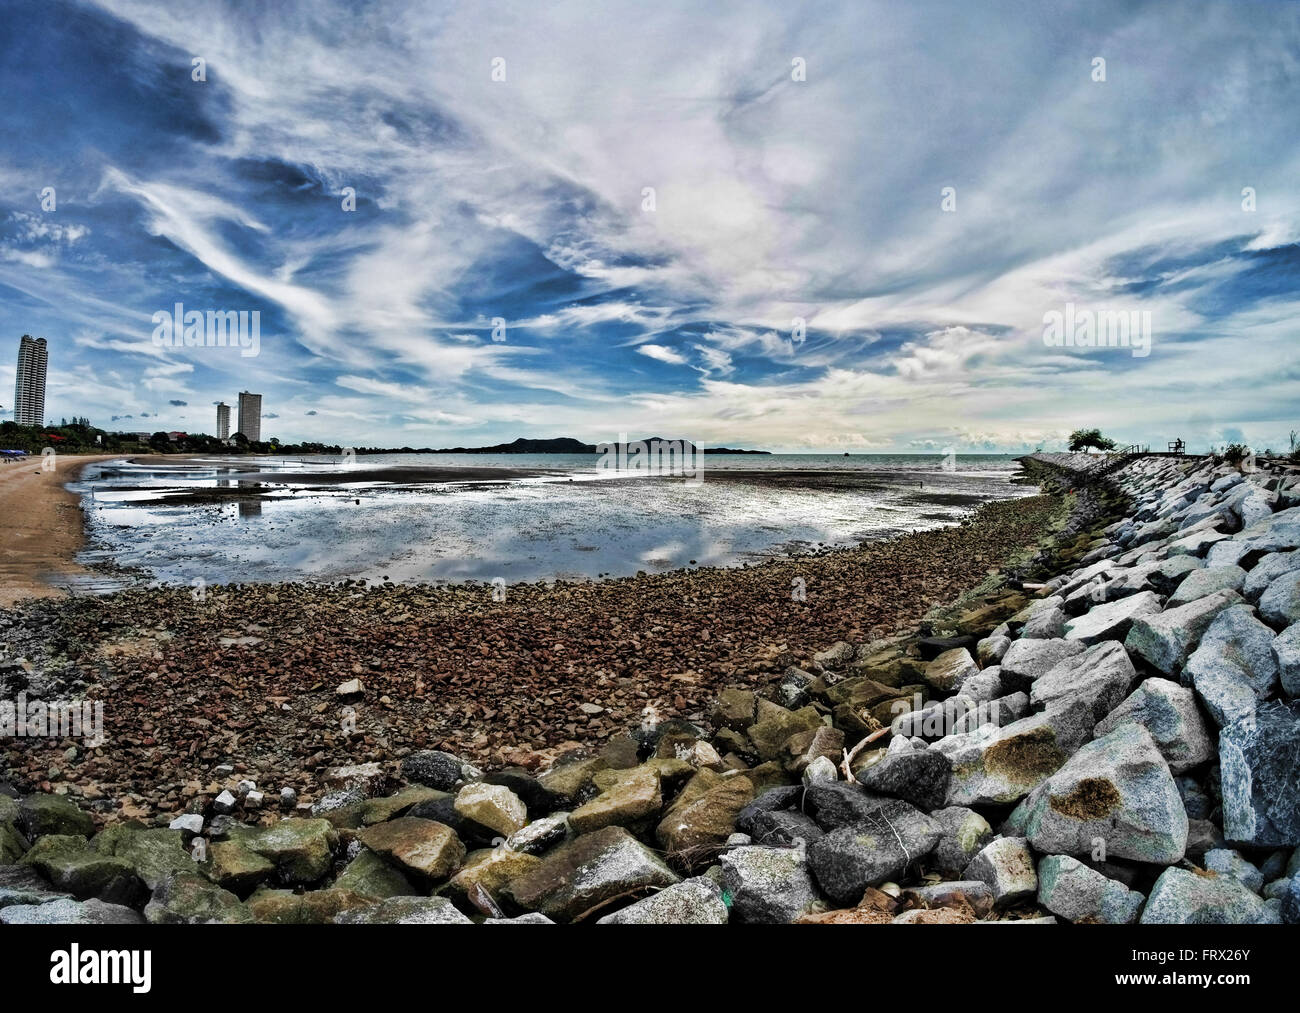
[{"x": 568, "y": 445}]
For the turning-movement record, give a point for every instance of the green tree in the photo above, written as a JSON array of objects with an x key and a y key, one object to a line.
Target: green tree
[{"x": 1082, "y": 439}]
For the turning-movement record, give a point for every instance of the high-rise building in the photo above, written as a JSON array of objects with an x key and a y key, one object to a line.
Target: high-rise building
[
  {"x": 250, "y": 415},
  {"x": 29, "y": 385},
  {"x": 223, "y": 420}
]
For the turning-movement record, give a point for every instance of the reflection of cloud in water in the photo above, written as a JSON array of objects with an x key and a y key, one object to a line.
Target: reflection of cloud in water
[{"x": 525, "y": 531}]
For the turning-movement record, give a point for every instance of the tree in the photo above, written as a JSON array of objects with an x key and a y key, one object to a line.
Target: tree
[
  {"x": 159, "y": 441},
  {"x": 1082, "y": 439}
]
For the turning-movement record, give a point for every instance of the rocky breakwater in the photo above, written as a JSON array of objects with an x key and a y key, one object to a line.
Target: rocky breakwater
[{"x": 1106, "y": 732}]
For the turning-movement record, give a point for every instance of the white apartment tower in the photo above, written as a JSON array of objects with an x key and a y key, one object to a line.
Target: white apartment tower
[
  {"x": 250, "y": 415},
  {"x": 223, "y": 420},
  {"x": 29, "y": 385}
]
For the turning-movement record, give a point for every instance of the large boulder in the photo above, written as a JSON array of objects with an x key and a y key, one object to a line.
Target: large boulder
[
  {"x": 1286, "y": 652},
  {"x": 691, "y": 902},
  {"x": 301, "y": 850},
  {"x": 632, "y": 795},
  {"x": 493, "y": 806},
  {"x": 370, "y": 876},
  {"x": 404, "y": 911},
  {"x": 768, "y": 885},
  {"x": 580, "y": 877},
  {"x": 71, "y": 865},
  {"x": 1068, "y": 888},
  {"x": 965, "y": 833},
  {"x": 435, "y": 769},
  {"x": 1116, "y": 790},
  {"x": 950, "y": 669},
  {"x": 39, "y": 815},
  {"x": 1168, "y": 711},
  {"x": 70, "y": 912},
  {"x": 1101, "y": 676},
  {"x": 1267, "y": 570},
  {"x": 704, "y": 815},
  {"x": 190, "y": 899},
  {"x": 1026, "y": 660},
  {"x": 1279, "y": 605},
  {"x": 848, "y": 860},
  {"x": 1257, "y": 762},
  {"x": 1192, "y": 897},
  {"x": 1112, "y": 620},
  {"x": 918, "y": 776},
  {"x": 993, "y": 765},
  {"x": 1006, "y": 867},
  {"x": 425, "y": 849},
  {"x": 1204, "y": 582},
  {"x": 1165, "y": 639},
  {"x": 1235, "y": 665}
]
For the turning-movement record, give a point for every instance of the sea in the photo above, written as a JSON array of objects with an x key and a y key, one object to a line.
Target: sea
[{"x": 510, "y": 517}]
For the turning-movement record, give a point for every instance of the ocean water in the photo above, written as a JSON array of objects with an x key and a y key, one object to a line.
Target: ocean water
[{"x": 213, "y": 521}]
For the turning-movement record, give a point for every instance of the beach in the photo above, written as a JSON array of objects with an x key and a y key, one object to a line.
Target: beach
[{"x": 42, "y": 528}]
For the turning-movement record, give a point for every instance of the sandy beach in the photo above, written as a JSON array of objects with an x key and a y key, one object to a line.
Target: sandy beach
[{"x": 42, "y": 527}]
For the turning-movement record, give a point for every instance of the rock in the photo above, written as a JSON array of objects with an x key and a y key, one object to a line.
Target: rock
[
  {"x": 633, "y": 795},
  {"x": 422, "y": 848},
  {"x": 1168, "y": 711},
  {"x": 288, "y": 798},
  {"x": 833, "y": 805},
  {"x": 540, "y": 835},
  {"x": 405, "y": 911},
  {"x": 40, "y": 815},
  {"x": 70, "y": 912},
  {"x": 1286, "y": 652},
  {"x": 704, "y": 815},
  {"x": 190, "y": 823},
  {"x": 969, "y": 895},
  {"x": 1180, "y": 897},
  {"x": 1117, "y": 790},
  {"x": 532, "y": 918},
  {"x": 990, "y": 650},
  {"x": 71, "y": 865},
  {"x": 1006, "y": 867},
  {"x": 964, "y": 834},
  {"x": 1227, "y": 862},
  {"x": 784, "y": 828},
  {"x": 489, "y": 871},
  {"x": 1166, "y": 639},
  {"x": 1257, "y": 760},
  {"x": 770, "y": 734},
  {"x": 190, "y": 899},
  {"x": 734, "y": 709},
  {"x": 1112, "y": 620},
  {"x": 225, "y": 802},
  {"x": 154, "y": 853},
  {"x": 1068, "y": 888},
  {"x": 1279, "y": 605},
  {"x": 353, "y": 687},
  {"x": 316, "y": 907},
  {"x": 21, "y": 884},
  {"x": 1235, "y": 665},
  {"x": 493, "y": 806},
  {"x": 1001, "y": 765},
  {"x": 768, "y": 885},
  {"x": 836, "y": 656},
  {"x": 985, "y": 686},
  {"x": 691, "y": 902},
  {"x": 1267, "y": 570},
  {"x": 579, "y": 877},
  {"x": 571, "y": 782},
  {"x": 367, "y": 778},
  {"x": 1101, "y": 676},
  {"x": 949, "y": 670},
  {"x": 381, "y": 810},
  {"x": 846, "y": 861},
  {"x": 301, "y": 850},
  {"x": 233, "y": 867},
  {"x": 1204, "y": 582},
  {"x": 370, "y": 876},
  {"x": 821, "y": 769},
  {"x": 917, "y": 776},
  {"x": 434, "y": 769},
  {"x": 1026, "y": 660},
  {"x": 1202, "y": 838}
]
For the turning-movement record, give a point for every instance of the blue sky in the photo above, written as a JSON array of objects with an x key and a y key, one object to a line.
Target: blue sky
[{"x": 774, "y": 199}]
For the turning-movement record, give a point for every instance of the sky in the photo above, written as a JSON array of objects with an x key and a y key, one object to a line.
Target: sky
[{"x": 800, "y": 227}]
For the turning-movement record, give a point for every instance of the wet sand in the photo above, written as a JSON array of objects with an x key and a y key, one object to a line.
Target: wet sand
[{"x": 42, "y": 530}]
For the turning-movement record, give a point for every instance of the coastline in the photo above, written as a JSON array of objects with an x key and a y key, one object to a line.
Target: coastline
[{"x": 43, "y": 528}]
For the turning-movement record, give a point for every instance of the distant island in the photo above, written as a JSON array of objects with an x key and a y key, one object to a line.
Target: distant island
[{"x": 568, "y": 445}]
